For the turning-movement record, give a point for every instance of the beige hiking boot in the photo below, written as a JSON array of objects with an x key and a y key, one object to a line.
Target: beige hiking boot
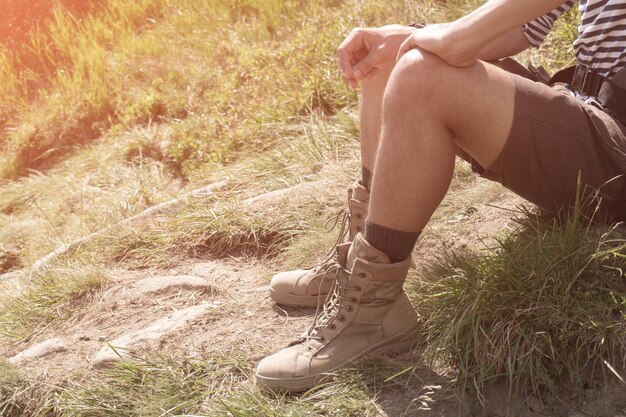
[
  {"x": 307, "y": 287},
  {"x": 367, "y": 312}
]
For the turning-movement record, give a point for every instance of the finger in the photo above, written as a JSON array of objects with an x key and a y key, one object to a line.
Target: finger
[
  {"x": 345, "y": 66},
  {"x": 366, "y": 65},
  {"x": 406, "y": 46},
  {"x": 345, "y": 53}
]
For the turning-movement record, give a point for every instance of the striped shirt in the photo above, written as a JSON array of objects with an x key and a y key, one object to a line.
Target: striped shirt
[{"x": 601, "y": 43}]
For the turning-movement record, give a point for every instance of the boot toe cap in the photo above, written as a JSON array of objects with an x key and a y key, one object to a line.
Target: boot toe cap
[
  {"x": 284, "y": 282},
  {"x": 280, "y": 365}
]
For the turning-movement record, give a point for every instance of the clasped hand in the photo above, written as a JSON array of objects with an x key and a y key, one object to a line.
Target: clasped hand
[{"x": 365, "y": 49}]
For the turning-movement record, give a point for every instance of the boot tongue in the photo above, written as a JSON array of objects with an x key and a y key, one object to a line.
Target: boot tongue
[
  {"x": 359, "y": 192},
  {"x": 362, "y": 249}
]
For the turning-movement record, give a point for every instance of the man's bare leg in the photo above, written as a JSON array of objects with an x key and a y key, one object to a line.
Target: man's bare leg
[
  {"x": 371, "y": 114},
  {"x": 302, "y": 288},
  {"x": 429, "y": 108}
]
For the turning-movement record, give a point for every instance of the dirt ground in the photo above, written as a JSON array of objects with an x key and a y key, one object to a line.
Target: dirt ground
[{"x": 222, "y": 306}]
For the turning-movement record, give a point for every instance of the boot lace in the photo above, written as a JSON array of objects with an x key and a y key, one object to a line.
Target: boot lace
[
  {"x": 329, "y": 261},
  {"x": 335, "y": 300}
]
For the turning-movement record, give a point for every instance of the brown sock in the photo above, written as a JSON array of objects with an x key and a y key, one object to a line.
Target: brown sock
[{"x": 397, "y": 245}]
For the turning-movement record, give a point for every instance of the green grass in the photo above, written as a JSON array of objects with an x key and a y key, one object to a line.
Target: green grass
[
  {"x": 85, "y": 193},
  {"x": 116, "y": 69},
  {"x": 57, "y": 295},
  {"x": 72, "y": 60},
  {"x": 170, "y": 125},
  {"x": 557, "y": 51},
  {"x": 547, "y": 302}
]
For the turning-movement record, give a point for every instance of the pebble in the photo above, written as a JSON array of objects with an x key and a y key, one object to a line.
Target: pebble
[
  {"x": 40, "y": 350},
  {"x": 149, "y": 286},
  {"x": 117, "y": 350}
]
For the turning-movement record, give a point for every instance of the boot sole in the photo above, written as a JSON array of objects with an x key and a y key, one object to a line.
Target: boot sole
[
  {"x": 290, "y": 300},
  {"x": 400, "y": 343}
]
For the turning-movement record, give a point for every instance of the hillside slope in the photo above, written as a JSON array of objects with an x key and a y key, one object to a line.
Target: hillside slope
[{"x": 233, "y": 115}]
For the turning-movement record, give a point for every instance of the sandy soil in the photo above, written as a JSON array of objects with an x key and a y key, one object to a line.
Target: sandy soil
[{"x": 241, "y": 319}]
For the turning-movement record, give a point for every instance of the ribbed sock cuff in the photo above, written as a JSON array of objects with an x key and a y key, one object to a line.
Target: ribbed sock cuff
[
  {"x": 397, "y": 245},
  {"x": 366, "y": 178}
]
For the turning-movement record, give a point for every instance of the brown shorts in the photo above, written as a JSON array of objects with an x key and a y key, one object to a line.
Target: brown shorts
[{"x": 554, "y": 137}]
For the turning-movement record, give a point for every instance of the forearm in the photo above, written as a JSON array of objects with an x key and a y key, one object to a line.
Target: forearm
[
  {"x": 508, "y": 44},
  {"x": 496, "y": 18},
  {"x": 482, "y": 33}
]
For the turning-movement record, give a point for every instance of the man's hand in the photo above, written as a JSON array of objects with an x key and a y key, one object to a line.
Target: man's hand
[
  {"x": 365, "y": 49},
  {"x": 440, "y": 40}
]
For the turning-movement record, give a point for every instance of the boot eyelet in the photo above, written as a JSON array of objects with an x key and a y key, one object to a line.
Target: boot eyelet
[
  {"x": 332, "y": 326},
  {"x": 350, "y": 309},
  {"x": 363, "y": 275},
  {"x": 309, "y": 348},
  {"x": 358, "y": 289},
  {"x": 323, "y": 339},
  {"x": 358, "y": 228},
  {"x": 341, "y": 318},
  {"x": 358, "y": 216}
]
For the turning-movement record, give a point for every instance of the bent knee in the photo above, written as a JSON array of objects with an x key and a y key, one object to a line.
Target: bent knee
[
  {"x": 420, "y": 75},
  {"x": 420, "y": 65},
  {"x": 419, "y": 59}
]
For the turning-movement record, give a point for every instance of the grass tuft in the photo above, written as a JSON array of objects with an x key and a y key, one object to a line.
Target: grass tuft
[
  {"x": 151, "y": 386},
  {"x": 53, "y": 297},
  {"x": 548, "y": 301},
  {"x": 21, "y": 396},
  {"x": 221, "y": 229}
]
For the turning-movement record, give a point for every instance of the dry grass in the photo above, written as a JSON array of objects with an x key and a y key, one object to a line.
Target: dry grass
[
  {"x": 155, "y": 99},
  {"x": 224, "y": 224},
  {"x": 55, "y": 297},
  {"x": 169, "y": 385}
]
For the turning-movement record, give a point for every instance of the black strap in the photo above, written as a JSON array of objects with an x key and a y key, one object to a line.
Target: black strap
[
  {"x": 587, "y": 82},
  {"x": 563, "y": 76},
  {"x": 613, "y": 99}
]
